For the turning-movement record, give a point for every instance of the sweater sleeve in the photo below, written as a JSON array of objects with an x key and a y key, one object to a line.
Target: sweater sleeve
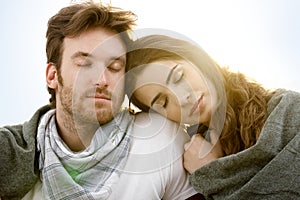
[
  {"x": 18, "y": 163},
  {"x": 267, "y": 170}
]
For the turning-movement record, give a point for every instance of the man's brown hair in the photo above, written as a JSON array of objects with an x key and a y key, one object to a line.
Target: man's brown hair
[{"x": 73, "y": 20}]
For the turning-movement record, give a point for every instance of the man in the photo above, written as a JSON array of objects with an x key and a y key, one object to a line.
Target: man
[{"x": 82, "y": 145}]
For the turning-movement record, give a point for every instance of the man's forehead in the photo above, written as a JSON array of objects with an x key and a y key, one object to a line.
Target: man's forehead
[
  {"x": 95, "y": 42},
  {"x": 112, "y": 46}
]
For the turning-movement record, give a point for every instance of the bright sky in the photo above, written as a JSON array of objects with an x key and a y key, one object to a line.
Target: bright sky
[{"x": 257, "y": 37}]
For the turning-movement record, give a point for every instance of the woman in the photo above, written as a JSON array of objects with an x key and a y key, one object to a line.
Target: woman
[{"x": 247, "y": 146}]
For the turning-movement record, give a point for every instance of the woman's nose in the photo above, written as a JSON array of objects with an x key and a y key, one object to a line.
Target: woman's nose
[{"x": 185, "y": 99}]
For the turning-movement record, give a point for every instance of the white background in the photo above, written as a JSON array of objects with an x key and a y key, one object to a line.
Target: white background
[{"x": 257, "y": 37}]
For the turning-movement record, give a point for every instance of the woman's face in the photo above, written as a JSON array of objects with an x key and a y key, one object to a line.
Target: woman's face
[{"x": 176, "y": 90}]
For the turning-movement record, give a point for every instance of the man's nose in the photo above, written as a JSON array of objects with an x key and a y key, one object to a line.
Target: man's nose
[{"x": 102, "y": 80}]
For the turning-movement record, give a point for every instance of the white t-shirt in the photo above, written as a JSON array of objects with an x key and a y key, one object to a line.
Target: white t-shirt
[{"x": 154, "y": 167}]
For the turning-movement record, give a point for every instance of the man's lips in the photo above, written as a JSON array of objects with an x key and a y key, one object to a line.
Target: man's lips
[
  {"x": 197, "y": 106},
  {"x": 99, "y": 96},
  {"x": 102, "y": 96}
]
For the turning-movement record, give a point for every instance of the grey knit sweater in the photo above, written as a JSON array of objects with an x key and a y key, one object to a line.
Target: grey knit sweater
[
  {"x": 18, "y": 158},
  {"x": 268, "y": 170}
]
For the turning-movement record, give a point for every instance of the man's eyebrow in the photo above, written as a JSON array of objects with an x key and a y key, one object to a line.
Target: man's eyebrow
[
  {"x": 122, "y": 58},
  {"x": 170, "y": 74},
  {"x": 81, "y": 54},
  {"x": 155, "y": 98}
]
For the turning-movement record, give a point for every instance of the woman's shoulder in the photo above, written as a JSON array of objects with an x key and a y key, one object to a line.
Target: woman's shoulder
[
  {"x": 286, "y": 93},
  {"x": 285, "y": 98},
  {"x": 284, "y": 107}
]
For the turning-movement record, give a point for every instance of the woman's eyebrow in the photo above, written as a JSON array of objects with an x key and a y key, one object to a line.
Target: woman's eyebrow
[
  {"x": 170, "y": 74},
  {"x": 155, "y": 98}
]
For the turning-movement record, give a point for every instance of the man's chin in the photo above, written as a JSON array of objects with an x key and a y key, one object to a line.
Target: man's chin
[
  {"x": 104, "y": 119},
  {"x": 104, "y": 116}
]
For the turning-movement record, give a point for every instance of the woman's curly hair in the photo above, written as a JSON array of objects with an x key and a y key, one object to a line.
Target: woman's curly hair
[
  {"x": 241, "y": 102},
  {"x": 246, "y": 111}
]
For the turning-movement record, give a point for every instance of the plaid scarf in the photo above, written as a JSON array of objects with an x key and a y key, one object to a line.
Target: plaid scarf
[{"x": 89, "y": 174}]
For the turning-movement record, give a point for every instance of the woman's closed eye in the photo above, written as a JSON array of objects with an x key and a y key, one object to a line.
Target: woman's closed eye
[
  {"x": 177, "y": 74},
  {"x": 161, "y": 101}
]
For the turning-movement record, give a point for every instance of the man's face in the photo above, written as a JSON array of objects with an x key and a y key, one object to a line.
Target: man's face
[{"x": 92, "y": 73}]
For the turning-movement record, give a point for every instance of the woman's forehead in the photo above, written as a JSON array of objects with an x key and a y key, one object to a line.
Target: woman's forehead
[{"x": 153, "y": 73}]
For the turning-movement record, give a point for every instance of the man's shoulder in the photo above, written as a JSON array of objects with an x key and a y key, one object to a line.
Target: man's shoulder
[
  {"x": 18, "y": 147},
  {"x": 21, "y": 136},
  {"x": 156, "y": 142},
  {"x": 148, "y": 119},
  {"x": 154, "y": 126}
]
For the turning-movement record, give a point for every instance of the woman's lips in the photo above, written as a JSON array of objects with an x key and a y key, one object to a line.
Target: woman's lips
[{"x": 197, "y": 106}]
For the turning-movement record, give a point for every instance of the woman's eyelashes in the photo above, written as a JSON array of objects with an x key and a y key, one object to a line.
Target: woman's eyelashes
[
  {"x": 177, "y": 75},
  {"x": 162, "y": 101}
]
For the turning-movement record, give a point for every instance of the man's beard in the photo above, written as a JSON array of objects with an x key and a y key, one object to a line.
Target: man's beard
[{"x": 78, "y": 110}]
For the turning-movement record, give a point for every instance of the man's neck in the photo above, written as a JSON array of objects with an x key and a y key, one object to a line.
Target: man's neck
[{"x": 76, "y": 135}]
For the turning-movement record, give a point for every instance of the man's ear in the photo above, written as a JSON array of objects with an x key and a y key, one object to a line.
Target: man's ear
[{"x": 51, "y": 76}]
